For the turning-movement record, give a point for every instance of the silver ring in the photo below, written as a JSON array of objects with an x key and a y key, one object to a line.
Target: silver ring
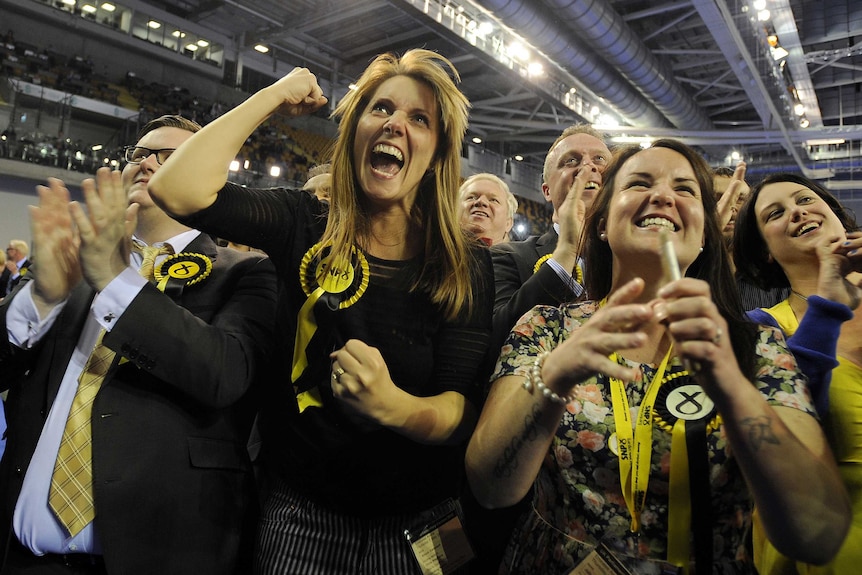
[
  {"x": 337, "y": 373},
  {"x": 718, "y": 334}
]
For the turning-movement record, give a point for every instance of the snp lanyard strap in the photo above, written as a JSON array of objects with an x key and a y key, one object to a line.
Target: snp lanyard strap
[{"x": 635, "y": 443}]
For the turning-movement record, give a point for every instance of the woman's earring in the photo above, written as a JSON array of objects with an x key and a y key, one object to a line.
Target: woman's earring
[
  {"x": 603, "y": 236},
  {"x": 701, "y": 249}
]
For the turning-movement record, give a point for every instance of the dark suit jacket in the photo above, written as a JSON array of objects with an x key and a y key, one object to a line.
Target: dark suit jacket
[
  {"x": 4, "y": 281},
  {"x": 518, "y": 288},
  {"x": 22, "y": 271},
  {"x": 172, "y": 481}
]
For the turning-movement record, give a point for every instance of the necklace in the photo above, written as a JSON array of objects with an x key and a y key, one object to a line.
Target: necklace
[{"x": 799, "y": 295}]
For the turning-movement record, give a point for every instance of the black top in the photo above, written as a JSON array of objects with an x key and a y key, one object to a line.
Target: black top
[{"x": 320, "y": 451}]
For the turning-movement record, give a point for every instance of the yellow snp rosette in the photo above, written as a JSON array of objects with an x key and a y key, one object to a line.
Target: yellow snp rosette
[
  {"x": 182, "y": 269},
  {"x": 330, "y": 284}
]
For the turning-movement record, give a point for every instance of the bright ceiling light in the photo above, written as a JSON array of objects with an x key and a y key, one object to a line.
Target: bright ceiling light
[
  {"x": 477, "y": 140},
  {"x": 763, "y": 16},
  {"x": 519, "y": 157},
  {"x": 88, "y": 8},
  {"x": 607, "y": 121},
  {"x": 804, "y": 123},
  {"x": 234, "y": 166},
  {"x": 759, "y": 5},
  {"x": 191, "y": 47},
  {"x": 108, "y": 7},
  {"x": 535, "y": 69},
  {"x": 626, "y": 139},
  {"x": 517, "y": 51},
  {"x": 825, "y": 142},
  {"x": 485, "y": 28},
  {"x": 778, "y": 53},
  {"x": 203, "y": 43},
  {"x": 154, "y": 25},
  {"x": 799, "y": 108},
  {"x": 261, "y": 48},
  {"x": 275, "y": 171}
]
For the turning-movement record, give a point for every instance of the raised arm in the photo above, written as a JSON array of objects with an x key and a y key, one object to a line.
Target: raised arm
[
  {"x": 197, "y": 171},
  {"x": 782, "y": 451},
  {"x": 516, "y": 427}
]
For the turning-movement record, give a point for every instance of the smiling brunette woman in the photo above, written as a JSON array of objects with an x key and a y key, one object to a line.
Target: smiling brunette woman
[
  {"x": 595, "y": 407},
  {"x": 794, "y": 233},
  {"x": 385, "y": 313}
]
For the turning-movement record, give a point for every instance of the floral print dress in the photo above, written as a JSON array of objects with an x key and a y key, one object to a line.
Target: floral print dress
[{"x": 577, "y": 499}]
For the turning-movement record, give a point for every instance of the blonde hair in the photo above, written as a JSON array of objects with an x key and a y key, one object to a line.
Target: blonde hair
[
  {"x": 21, "y": 246},
  {"x": 446, "y": 269}
]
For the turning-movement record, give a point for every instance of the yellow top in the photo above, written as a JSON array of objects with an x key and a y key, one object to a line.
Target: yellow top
[{"x": 843, "y": 428}]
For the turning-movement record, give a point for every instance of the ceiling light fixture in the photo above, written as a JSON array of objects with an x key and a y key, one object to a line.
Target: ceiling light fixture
[
  {"x": 825, "y": 142},
  {"x": 778, "y": 53}
]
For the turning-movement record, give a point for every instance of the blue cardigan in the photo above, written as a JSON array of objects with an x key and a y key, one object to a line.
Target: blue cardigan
[{"x": 814, "y": 343}]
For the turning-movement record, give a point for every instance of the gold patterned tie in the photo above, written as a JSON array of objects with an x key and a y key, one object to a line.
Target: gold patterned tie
[
  {"x": 71, "y": 493},
  {"x": 149, "y": 255}
]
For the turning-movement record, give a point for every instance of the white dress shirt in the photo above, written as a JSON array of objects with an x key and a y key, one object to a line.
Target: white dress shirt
[{"x": 35, "y": 524}]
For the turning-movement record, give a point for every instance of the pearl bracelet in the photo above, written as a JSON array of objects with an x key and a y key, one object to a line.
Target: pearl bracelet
[{"x": 535, "y": 380}]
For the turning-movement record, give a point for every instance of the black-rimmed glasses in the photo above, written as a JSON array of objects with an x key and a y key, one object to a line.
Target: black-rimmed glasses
[{"x": 137, "y": 154}]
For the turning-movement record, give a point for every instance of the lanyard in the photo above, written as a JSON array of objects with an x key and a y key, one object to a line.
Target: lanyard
[{"x": 635, "y": 442}]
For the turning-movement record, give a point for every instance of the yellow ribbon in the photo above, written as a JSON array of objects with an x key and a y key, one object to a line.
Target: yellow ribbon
[
  {"x": 635, "y": 444},
  {"x": 333, "y": 276},
  {"x": 679, "y": 512},
  {"x": 305, "y": 328}
]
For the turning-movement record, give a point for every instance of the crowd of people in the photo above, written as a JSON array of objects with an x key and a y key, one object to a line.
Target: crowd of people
[{"x": 379, "y": 380}]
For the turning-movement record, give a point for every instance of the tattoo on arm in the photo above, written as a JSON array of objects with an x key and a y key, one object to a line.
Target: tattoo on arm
[
  {"x": 508, "y": 462},
  {"x": 759, "y": 431}
]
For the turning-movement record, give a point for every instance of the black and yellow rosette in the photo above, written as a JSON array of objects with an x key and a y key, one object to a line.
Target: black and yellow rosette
[
  {"x": 330, "y": 284},
  {"x": 181, "y": 270},
  {"x": 684, "y": 410},
  {"x": 579, "y": 273}
]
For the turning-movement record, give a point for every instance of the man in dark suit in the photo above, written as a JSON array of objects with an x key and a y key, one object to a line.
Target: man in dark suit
[
  {"x": 17, "y": 263},
  {"x": 544, "y": 270},
  {"x": 172, "y": 488}
]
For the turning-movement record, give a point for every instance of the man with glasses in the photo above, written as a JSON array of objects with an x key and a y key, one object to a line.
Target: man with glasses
[
  {"x": 544, "y": 270},
  {"x": 155, "y": 477}
]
